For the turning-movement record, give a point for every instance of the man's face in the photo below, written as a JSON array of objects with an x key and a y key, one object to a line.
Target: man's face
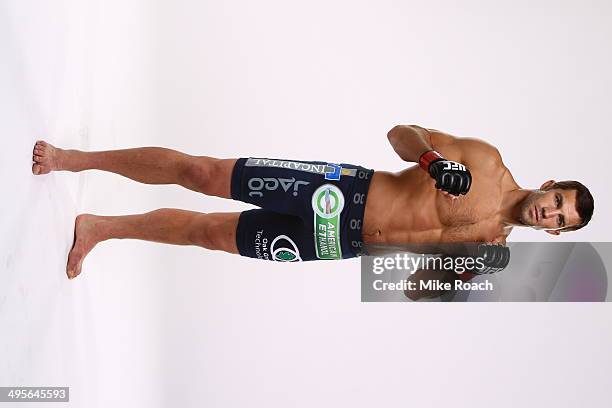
[{"x": 551, "y": 210}]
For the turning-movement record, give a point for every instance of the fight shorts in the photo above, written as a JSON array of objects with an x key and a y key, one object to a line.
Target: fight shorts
[{"x": 308, "y": 210}]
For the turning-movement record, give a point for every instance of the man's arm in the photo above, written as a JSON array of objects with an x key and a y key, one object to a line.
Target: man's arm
[
  {"x": 432, "y": 149},
  {"x": 411, "y": 141},
  {"x": 487, "y": 259}
]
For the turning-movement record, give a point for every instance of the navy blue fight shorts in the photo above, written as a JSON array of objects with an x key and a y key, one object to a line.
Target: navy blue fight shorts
[{"x": 308, "y": 210}]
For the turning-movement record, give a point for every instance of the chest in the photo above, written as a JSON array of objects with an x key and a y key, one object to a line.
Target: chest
[
  {"x": 475, "y": 215},
  {"x": 465, "y": 210}
]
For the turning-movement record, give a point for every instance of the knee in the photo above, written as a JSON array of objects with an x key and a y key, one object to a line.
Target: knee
[
  {"x": 211, "y": 233},
  {"x": 199, "y": 174},
  {"x": 200, "y": 233}
]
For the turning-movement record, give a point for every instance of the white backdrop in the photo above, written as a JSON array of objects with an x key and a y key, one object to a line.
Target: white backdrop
[{"x": 150, "y": 325}]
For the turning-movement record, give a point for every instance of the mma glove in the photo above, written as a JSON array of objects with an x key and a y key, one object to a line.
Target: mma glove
[
  {"x": 495, "y": 258},
  {"x": 450, "y": 176}
]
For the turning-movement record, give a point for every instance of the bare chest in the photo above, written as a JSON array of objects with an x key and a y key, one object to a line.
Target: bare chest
[
  {"x": 474, "y": 216},
  {"x": 420, "y": 213}
]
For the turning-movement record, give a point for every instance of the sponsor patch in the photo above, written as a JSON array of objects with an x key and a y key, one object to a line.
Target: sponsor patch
[
  {"x": 315, "y": 168},
  {"x": 334, "y": 174},
  {"x": 327, "y": 204},
  {"x": 256, "y": 185},
  {"x": 282, "y": 248}
]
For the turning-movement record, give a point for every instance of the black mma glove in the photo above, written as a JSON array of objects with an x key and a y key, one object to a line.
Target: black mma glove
[{"x": 450, "y": 176}]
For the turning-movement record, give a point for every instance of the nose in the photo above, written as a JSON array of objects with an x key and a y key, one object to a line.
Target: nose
[{"x": 550, "y": 212}]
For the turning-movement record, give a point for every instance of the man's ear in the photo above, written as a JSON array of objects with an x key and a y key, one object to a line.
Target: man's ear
[
  {"x": 547, "y": 184},
  {"x": 553, "y": 232}
]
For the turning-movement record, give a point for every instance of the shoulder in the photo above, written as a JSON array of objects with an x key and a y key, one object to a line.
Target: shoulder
[
  {"x": 482, "y": 157},
  {"x": 477, "y": 151},
  {"x": 468, "y": 150}
]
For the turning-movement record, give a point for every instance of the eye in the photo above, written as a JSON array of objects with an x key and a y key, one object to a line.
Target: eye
[
  {"x": 558, "y": 201},
  {"x": 559, "y": 221}
]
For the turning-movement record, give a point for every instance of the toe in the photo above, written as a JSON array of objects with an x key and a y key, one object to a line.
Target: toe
[
  {"x": 36, "y": 169},
  {"x": 73, "y": 262},
  {"x": 73, "y": 273},
  {"x": 74, "y": 268}
]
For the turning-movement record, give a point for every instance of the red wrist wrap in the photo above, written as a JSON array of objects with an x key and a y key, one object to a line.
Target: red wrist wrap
[{"x": 428, "y": 157}]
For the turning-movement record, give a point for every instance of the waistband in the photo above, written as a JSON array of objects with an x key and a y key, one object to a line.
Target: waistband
[{"x": 356, "y": 210}]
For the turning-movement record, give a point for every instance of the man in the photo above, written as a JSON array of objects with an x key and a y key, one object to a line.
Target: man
[{"x": 460, "y": 192}]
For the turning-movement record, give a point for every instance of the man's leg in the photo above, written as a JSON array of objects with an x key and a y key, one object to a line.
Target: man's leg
[
  {"x": 149, "y": 165},
  {"x": 216, "y": 231}
]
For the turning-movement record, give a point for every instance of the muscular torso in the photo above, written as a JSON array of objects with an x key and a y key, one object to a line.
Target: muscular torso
[{"x": 405, "y": 207}]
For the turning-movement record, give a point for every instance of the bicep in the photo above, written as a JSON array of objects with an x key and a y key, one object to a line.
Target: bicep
[
  {"x": 447, "y": 145},
  {"x": 470, "y": 151}
]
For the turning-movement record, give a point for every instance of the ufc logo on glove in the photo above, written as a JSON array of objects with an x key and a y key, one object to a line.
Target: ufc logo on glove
[{"x": 449, "y": 165}]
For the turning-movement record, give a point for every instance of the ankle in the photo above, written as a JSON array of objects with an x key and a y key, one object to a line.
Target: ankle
[
  {"x": 95, "y": 226},
  {"x": 61, "y": 159},
  {"x": 103, "y": 229},
  {"x": 68, "y": 160}
]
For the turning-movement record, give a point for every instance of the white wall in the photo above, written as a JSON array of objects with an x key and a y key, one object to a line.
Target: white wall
[{"x": 323, "y": 80}]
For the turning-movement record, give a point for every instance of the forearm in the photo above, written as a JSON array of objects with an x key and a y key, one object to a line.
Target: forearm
[{"x": 409, "y": 141}]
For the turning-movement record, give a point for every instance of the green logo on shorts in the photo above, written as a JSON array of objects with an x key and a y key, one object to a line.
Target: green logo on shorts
[
  {"x": 284, "y": 253},
  {"x": 285, "y": 256},
  {"x": 327, "y": 203}
]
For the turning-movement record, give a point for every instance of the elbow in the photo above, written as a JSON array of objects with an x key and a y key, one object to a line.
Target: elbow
[
  {"x": 393, "y": 134},
  {"x": 399, "y": 129}
]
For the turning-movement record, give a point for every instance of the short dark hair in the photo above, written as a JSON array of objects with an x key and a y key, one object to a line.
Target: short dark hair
[{"x": 584, "y": 201}]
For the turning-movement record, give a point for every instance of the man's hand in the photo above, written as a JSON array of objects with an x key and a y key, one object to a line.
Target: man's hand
[
  {"x": 495, "y": 258},
  {"x": 450, "y": 176}
]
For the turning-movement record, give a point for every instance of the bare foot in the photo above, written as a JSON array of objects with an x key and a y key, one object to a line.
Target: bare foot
[
  {"x": 85, "y": 238},
  {"x": 46, "y": 157}
]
